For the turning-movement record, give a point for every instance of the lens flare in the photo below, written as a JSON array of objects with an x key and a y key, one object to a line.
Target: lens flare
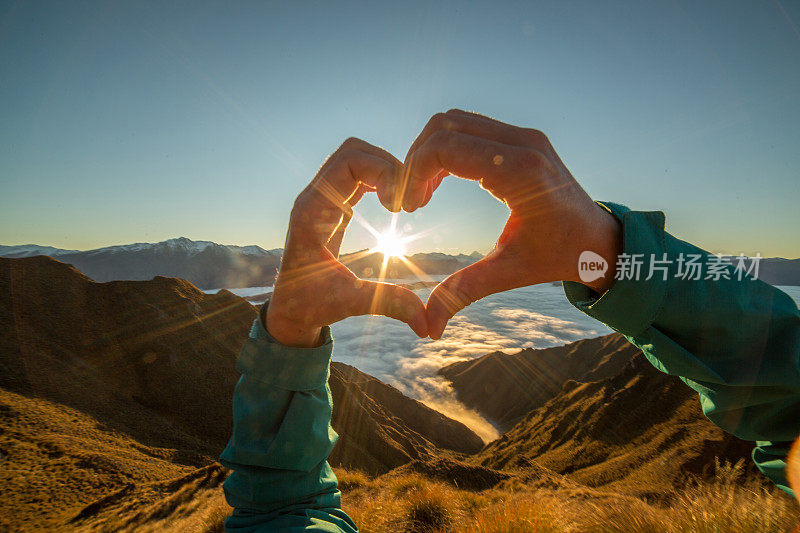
[{"x": 390, "y": 244}]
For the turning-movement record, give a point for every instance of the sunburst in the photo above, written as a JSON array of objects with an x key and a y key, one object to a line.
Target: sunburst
[{"x": 390, "y": 244}]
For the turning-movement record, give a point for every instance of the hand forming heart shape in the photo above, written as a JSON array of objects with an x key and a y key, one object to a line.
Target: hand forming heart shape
[{"x": 551, "y": 221}]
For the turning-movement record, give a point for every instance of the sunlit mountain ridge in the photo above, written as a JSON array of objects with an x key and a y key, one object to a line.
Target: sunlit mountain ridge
[{"x": 209, "y": 265}]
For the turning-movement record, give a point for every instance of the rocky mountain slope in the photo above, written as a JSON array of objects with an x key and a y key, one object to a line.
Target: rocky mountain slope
[
  {"x": 505, "y": 387},
  {"x": 597, "y": 411},
  {"x": 108, "y": 386},
  {"x": 394, "y": 429},
  {"x": 143, "y": 357}
]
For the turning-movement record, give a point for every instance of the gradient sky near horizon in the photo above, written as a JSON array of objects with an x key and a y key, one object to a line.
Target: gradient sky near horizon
[{"x": 137, "y": 121}]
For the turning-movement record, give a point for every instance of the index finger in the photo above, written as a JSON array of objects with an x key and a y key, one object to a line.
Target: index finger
[
  {"x": 477, "y": 125},
  {"x": 474, "y": 125},
  {"x": 513, "y": 174},
  {"x": 357, "y": 162},
  {"x": 318, "y": 209}
]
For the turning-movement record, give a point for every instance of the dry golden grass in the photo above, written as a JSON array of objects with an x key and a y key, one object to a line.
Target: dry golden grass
[
  {"x": 213, "y": 521},
  {"x": 414, "y": 503}
]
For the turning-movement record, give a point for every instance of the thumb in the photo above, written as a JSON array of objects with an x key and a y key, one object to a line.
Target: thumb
[
  {"x": 459, "y": 290},
  {"x": 373, "y": 298}
]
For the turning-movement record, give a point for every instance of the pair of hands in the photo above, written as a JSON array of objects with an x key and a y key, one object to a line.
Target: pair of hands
[{"x": 552, "y": 220}]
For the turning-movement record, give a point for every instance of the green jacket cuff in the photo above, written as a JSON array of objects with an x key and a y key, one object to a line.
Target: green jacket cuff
[
  {"x": 285, "y": 367},
  {"x": 630, "y": 305}
]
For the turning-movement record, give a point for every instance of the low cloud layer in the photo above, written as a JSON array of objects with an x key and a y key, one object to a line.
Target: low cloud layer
[
  {"x": 534, "y": 317},
  {"x": 531, "y": 317}
]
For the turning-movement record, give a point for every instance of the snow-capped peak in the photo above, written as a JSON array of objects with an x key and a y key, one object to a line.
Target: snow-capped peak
[
  {"x": 29, "y": 250},
  {"x": 177, "y": 245},
  {"x": 183, "y": 244},
  {"x": 249, "y": 250}
]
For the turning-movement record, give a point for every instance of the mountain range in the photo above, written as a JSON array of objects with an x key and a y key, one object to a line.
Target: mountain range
[
  {"x": 209, "y": 265},
  {"x": 595, "y": 410},
  {"x": 205, "y": 264},
  {"x": 115, "y": 401}
]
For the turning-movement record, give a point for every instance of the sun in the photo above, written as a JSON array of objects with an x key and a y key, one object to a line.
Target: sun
[{"x": 390, "y": 244}]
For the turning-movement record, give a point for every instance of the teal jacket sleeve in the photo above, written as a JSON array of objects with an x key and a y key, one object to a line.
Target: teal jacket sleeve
[
  {"x": 281, "y": 479},
  {"x": 732, "y": 338}
]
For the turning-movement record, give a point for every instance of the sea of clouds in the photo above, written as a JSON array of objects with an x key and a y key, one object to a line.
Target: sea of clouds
[
  {"x": 539, "y": 316},
  {"x": 536, "y": 317}
]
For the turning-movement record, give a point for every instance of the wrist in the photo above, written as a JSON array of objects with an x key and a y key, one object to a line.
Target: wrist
[
  {"x": 290, "y": 332},
  {"x": 603, "y": 237}
]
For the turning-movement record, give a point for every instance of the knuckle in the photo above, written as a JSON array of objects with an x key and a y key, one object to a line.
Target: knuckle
[
  {"x": 439, "y": 137},
  {"x": 306, "y": 202},
  {"x": 442, "y": 121},
  {"x": 351, "y": 142},
  {"x": 535, "y": 135},
  {"x": 302, "y": 204},
  {"x": 300, "y": 201},
  {"x": 297, "y": 211},
  {"x": 341, "y": 158},
  {"x": 533, "y": 160},
  {"x": 348, "y": 152},
  {"x": 536, "y": 164},
  {"x": 435, "y": 143}
]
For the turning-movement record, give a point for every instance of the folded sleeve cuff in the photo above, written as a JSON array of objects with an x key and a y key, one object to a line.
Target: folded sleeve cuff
[
  {"x": 286, "y": 367},
  {"x": 630, "y": 305},
  {"x": 770, "y": 458}
]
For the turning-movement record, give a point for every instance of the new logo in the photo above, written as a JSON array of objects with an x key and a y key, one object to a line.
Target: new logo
[{"x": 591, "y": 266}]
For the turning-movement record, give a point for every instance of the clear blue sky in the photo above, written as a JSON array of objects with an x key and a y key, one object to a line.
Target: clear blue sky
[{"x": 135, "y": 121}]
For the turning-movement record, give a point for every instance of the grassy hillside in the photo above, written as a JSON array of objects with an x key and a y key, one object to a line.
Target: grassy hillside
[{"x": 115, "y": 400}]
